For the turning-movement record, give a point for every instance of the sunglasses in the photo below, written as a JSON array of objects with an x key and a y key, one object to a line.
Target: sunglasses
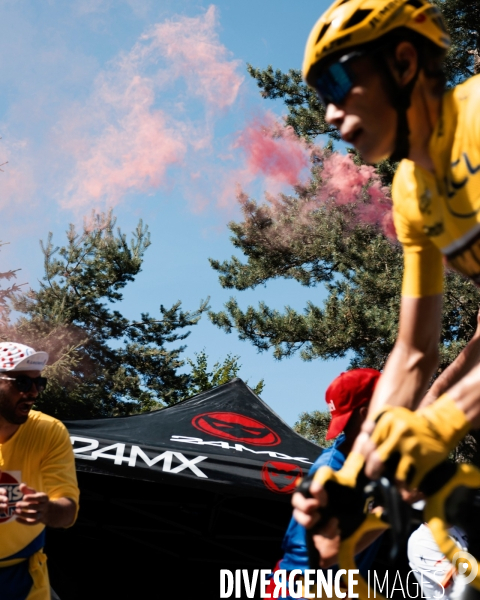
[
  {"x": 335, "y": 82},
  {"x": 25, "y": 383}
]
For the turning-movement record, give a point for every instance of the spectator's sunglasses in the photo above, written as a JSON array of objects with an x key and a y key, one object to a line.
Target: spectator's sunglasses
[
  {"x": 336, "y": 81},
  {"x": 24, "y": 383}
]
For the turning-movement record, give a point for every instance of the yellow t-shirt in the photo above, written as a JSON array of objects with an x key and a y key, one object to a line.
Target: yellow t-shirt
[
  {"x": 39, "y": 454},
  {"x": 437, "y": 216}
]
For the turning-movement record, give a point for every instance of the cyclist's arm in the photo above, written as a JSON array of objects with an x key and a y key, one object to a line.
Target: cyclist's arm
[
  {"x": 468, "y": 358},
  {"x": 414, "y": 357},
  {"x": 466, "y": 395}
]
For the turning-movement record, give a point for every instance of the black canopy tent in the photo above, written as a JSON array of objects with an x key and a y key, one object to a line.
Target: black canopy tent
[{"x": 172, "y": 496}]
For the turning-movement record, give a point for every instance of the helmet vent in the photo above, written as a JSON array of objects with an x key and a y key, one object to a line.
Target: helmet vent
[
  {"x": 357, "y": 17},
  {"x": 322, "y": 32},
  {"x": 415, "y": 3}
]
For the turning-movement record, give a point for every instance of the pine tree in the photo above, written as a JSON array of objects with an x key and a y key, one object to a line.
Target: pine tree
[
  {"x": 463, "y": 20},
  {"x": 6, "y": 295},
  {"x": 313, "y": 426},
  {"x": 323, "y": 243},
  {"x": 202, "y": 379},
  {"x": 102, "y": 363}
]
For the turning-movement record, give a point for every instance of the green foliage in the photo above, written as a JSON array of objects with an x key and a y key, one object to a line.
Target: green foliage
[
  {"x": 306, "y": 113},
  {"x": 467, "y": 450},
  {"x": 6, "y": 294},
  {"x": 102, "y": 363},
  {"x": 360, "y": 269},
  {"x": 201, "y": 379},
  {"x": 463, "y": 21},
  {"x": 313, "y": 426}
]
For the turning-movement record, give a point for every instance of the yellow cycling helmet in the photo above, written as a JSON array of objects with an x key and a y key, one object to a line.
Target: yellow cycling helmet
[{"x": 348, "y": 24}]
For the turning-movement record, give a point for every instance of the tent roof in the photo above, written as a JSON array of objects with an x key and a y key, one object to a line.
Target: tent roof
[
  {"x": 201, "y": 479},
  {"x": 225, "y": 439}
]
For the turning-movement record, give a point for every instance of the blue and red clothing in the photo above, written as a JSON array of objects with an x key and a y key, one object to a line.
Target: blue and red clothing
[{"x": 294, "y": 545}]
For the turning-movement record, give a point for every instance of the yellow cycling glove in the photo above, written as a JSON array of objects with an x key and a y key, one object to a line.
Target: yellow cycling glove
[
  {"x": 346, "y": 476},
  {"x": 421, "y": 439}
]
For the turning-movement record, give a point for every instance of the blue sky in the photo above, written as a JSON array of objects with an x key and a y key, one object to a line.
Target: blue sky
[{"x": 138, "y": 105}]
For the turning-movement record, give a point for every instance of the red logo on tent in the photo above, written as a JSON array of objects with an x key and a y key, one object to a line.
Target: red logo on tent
[
  {"x": 237, "y": 428},
  {"x": 9, "y": 483},
  {"x": 280, "y": 477}
]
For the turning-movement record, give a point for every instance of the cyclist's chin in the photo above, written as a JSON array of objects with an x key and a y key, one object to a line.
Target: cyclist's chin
[
  {"x": 374, "y": 146},
  {"x": 374, "y": 155}
]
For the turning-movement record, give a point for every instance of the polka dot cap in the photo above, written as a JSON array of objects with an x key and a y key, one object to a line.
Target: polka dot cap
[{"x": 18, "y": 357}]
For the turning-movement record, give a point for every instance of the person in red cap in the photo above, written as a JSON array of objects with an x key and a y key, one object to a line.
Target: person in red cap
[
  {"x": 347, "y": 398},
  {"x": 350, "y": 391}
]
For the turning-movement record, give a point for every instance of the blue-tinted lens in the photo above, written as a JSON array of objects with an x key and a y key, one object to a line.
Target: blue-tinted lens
[{"x": 334, "y": 84}]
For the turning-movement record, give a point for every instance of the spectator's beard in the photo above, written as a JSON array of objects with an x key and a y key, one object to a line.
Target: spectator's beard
[{"x": 9, "y": 409}]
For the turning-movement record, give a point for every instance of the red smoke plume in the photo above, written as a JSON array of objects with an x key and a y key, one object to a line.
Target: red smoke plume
[
  {"x": 274, "y": 151},
  {"x": 343, "y": 182},
  {"x": 283, "y": 220}
]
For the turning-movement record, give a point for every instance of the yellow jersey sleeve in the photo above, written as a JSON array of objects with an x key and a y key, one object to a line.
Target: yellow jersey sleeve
[
  {"x": 58, "y": 465},
  {"x": 423, "y": 261},
  {"x": 40, "y": 455}
]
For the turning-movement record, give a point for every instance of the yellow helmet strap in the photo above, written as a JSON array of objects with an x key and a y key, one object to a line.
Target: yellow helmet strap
[{"x": 400, "y": 98}]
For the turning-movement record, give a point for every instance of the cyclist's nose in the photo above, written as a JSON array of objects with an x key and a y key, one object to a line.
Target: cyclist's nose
[{"x": 334, "y": 115}]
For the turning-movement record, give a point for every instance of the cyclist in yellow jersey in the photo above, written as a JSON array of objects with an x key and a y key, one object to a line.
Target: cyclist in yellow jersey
[
  {"x": 437, "y": 213},
  {"x": 377, "y": 67}
]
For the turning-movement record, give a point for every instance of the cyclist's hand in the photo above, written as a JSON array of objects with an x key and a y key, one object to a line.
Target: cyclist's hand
[
  {"x": 421, "y": 439},
  {"x": 308, "y": 511}
]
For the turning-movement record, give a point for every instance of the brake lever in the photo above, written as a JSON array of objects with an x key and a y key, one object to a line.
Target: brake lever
[
  {"x": 396, "y": 512},
  {"x": 350, "y": 506},
  {"x": 452, "y": 494},
  {"x": 345, "y": 503},
  {"x": 395, "y": 515}
]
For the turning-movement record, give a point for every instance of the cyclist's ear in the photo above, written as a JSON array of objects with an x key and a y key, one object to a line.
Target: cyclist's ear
[
  {"x": 405, "y": 62},
  {"x": 401, "y": 66}
]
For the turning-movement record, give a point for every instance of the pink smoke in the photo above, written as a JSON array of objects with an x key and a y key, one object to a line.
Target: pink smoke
[
  {"x": 281, "y": 222},
  {"x": 343, "y": 182},
  {"x": 17, "y": 174},
  {"x": 131, "y": 155},
  {"x": 18, "y": 188},
  {"x": 273, "y": 151},
  {"x": 129, "y": 135},
  {"x": 191, "y": 44}
]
